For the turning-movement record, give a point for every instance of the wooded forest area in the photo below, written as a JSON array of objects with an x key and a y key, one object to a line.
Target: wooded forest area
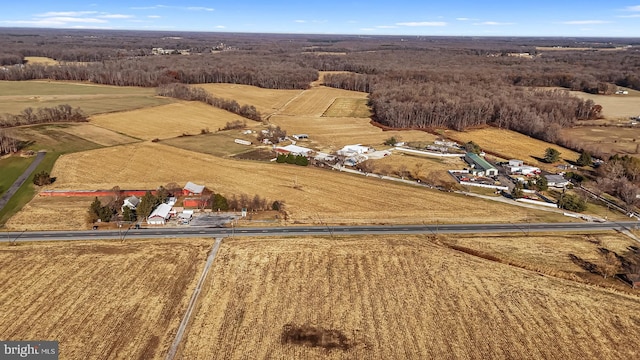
[{"x": 413, "y": 82}]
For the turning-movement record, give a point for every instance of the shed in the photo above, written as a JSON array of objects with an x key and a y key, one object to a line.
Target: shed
[
  {"x": 192, "y": 189},
  {"x": 479, "y": 166},
  {"x": 349, "y": 150},
  {"x": 556, "y": 181},
  {"x": 514, "y": 162},
  {"x": 160, "y": 215},
  {"x": 295, "y": 150}
]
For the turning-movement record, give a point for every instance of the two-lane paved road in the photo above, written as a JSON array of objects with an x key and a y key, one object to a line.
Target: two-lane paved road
[{"x": 523, "y": 228}]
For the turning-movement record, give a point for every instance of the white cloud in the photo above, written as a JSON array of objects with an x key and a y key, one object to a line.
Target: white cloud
[
  {"x": 66, "y": 13},
  {"x": 630, "y": 16},
  {"x": 585, "y": 22},
  {"x": 199, "y": 8},
  {"x": 494, "y": 23},
  {"x": 154, "y": 16},
  {"x": 463, "y": 19},
  {"x": 220, "y": 27},
  {"x": 64, "y": 19},
  {"x": 300, "y": 21},
  {"x": 423, "y": 23},
  {"x": 386, "y": 27},
  {"x": 115, "y": 16},
  {"x": 633, "y": 8}
]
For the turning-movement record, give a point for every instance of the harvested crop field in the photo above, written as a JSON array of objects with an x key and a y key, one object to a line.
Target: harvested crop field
[
  {"x": 217, "y": 144},
  {"x": 429, "y": 169},
  {"x": 40, "y": 60},
  {"x": 315, "y": 101},
  {"x": 551, "y": 253},
  {"x": 606, "y": 139},
  {"x": 98, "y": 135},
  {"x": 348, "y": 107},
  {"x": 615, "y": 107},
  {"x": 511, "y": 145},
  {"x": 16, "y": 96},
  {"x": 266, "y": 101},
  {"x": 331, "y": 134},
  {"x": 397, "y": 298},
  {"x": 100, "y": 300},
  {"x": 310, "y": 194},
  {"x": 52, "y": 213},
  {"x": 166, "y": 121}
]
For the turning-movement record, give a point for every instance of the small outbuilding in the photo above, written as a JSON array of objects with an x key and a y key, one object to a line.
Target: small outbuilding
[
  {"x": 557, "y": 181},
  {"x": 160, "y": 215},
  {"x": 192, "y": 189},
  {"x": 479, "y": 166}
]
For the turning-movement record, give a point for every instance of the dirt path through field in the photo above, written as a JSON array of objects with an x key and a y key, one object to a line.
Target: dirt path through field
[
  {"x": 194, "y": 299},
  {"x": 4, "y": 199}
]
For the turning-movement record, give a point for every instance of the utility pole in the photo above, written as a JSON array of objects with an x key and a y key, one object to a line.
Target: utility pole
[{"x": 13, "y": 242}]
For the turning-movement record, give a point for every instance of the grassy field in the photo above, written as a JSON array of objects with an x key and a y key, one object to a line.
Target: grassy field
[
  {"x": 12, "y": 167},
  {"x": 55, "y": 141},
  {"x": 216, "y": 144},
  {"x": 16, "y": 96},
  {"x": 348, "y": 107},
  {"x": 550, "y": 253},
  {"x": 432, "y": 170},
  {"x": 310, "y": 194},
  {"x": 167, "y": 121},
  {"x": 397, "y": 298},
  {"x": 266, "y": 101},
  {"x": 40, "y": 60},
  {"x": 608, "y": 139},
  {"x": 511, "y": 145},
  {"x": 100, "y": 300},
  {"x": 615, "y": 107},
  {"x": 97, "y": 134},
  {"x": 315, "y": 101},
  {"x": 52, "y": 213}
]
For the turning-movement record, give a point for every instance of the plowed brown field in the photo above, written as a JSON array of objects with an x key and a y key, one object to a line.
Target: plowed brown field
[
  {"x": 100, "y": 300},
  {"x": 398, "y": 298}
]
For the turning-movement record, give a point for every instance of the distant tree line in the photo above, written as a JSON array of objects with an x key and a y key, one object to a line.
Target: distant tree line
[
  {"x": 185, "y": 92},
  {"x": 29, "y": 116}
]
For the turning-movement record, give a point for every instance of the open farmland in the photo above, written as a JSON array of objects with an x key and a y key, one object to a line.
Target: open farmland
[
  {"x": 510, "y": 145},
  {"x": 397, "y": 298},
  {"x": 16, "y": 96},
  {"x": 348, "y": 107},
  {"x": 183, "y": 117},
  {"x": 97, "y": 134},
  {"x": 606, "y": 139},
  {"x": 550, "y": 253},
  {"x": 52, "y": 213},
  {"x": 315, "y": 101},
  {"x": 615, "y": 107},
  {"x": 319, "y": 195},
  {"x": 100, "y": 300},
  {"x": 217, "y": 144},
  {"x": 40, "y": 60},
  {"x": 430, "y": 169},
  {"x": 266, "y": 101}
]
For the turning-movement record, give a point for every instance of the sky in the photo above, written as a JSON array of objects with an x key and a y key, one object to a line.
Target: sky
[{"x": 617, "y": 18}]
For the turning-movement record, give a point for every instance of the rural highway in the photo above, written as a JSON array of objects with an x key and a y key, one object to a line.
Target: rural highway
[{"x": 524, "y": 228}]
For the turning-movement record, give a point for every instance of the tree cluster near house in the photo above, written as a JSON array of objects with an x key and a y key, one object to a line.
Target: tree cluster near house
[
  {"x": 42, "y": 178},
  {"x": 300, "y": 160}
]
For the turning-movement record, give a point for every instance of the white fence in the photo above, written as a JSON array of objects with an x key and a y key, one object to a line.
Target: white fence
[
  {"x": 427, "y": 153},
  {"x": 536, "y": 202},
  {"x": 497, "y": 187}
]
